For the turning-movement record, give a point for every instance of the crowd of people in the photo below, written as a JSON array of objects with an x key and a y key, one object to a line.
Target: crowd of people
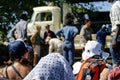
[{"x": 52, "y": 58}]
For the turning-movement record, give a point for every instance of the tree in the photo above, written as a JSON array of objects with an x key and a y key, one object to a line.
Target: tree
[{"x": 11, "y": 9}]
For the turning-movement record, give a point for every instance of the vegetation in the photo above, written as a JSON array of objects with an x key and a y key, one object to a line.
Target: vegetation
[{"x": 11, "y": 9}]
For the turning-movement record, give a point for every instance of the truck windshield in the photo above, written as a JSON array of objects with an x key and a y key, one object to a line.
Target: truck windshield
[{"x": 44, "y": 16}]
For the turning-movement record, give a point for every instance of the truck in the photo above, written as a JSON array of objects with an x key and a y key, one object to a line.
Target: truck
[{"x": 45, "y": 15}]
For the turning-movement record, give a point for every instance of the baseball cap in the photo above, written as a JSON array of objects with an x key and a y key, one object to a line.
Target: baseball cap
[
  {"x": 17, "y": 48},
  {"x": 93, "y": 48}
]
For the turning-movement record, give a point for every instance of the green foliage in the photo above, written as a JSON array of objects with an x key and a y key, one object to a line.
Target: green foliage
[{"x": 11, "y": 9}]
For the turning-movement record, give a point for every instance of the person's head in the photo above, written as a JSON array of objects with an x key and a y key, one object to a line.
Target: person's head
[
  {"x": 103, "y": 27},
  {"x": 111, "y": 0},
  {"x": 47, "y": 27},
  {"x": 23, "y": 16},
  {"x": 38, "y": 27},
  {"x": 51, "y": 67},
  {"x": 87, "y": 22},
  {"x": 68, "y": 19},
  {"x": 93, "y": 48},
  {"x": 15, "y": 34},
  {"x": 17, "y": 50}
]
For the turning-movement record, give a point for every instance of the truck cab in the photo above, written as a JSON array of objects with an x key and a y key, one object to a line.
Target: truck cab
[{"x": 42, "y": 16}]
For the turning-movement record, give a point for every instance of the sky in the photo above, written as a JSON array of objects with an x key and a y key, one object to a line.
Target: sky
[
  {"x": 100, "y": 6},
  {"x": 105, "y": 6}
]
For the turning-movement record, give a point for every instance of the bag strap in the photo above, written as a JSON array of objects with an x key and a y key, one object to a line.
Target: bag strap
[
  {"x": 5, "y": 74},
  {"x": 97, "y": 62},
  {"x": 17, "y": 72}
]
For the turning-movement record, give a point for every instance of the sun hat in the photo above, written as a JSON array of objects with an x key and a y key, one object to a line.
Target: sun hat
[{"x": 93, "y": 48}]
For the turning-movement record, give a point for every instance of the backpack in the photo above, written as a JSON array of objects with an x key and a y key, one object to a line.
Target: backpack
[{"x": 91, "y": 69}]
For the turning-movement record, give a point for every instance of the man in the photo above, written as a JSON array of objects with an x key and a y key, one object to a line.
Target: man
[
  {"x": 101, "y": 35},
  {"x": 21, "y": 27},
  {"x": 115, "y": 44},
  {"x": 85, "y": 33},
  {"x": 48, "y": 33},
  {"x": 68, "y": 32}
]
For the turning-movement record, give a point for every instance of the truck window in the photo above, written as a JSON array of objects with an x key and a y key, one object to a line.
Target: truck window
[{"x": 45, "y": 16}]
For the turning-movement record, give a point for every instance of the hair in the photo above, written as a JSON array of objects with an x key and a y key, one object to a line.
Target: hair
[
  {"x": 17, "y": 54},
  {"x": 86, "y": 21},
  {"x": 47, "y": 26},
  {"x": 23, "y": 16},
  {"x": 69, "y": 19},
  {"x": 38, "y": 26}
]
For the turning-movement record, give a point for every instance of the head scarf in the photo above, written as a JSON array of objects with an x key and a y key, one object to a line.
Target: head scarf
[{"x": 51, "y": 67}]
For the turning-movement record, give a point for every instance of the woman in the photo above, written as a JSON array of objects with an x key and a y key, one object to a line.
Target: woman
[{"x": 19, "y": 67}]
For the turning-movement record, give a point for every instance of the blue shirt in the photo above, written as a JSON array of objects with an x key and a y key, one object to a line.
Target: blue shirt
[
  {"x": 101, "y": 36},
  {"x": 21, "y": 27},
  {"x": 68, "y": 32}
]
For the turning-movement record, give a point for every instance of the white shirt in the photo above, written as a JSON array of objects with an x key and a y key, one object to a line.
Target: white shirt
[{"x": 115, "y": 14}]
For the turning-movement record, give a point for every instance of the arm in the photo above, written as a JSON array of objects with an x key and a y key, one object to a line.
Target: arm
[
  {"x": 58, "y": 33},
  {"x": 114, "y": 42},
  {"x": 82, "y": 35},
  {"x": 76, "y": 32},
  {"x": 33, "y": 37}
]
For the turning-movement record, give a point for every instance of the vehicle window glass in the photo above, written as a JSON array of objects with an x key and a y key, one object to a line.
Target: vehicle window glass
[{"x": 45, "y": 16}]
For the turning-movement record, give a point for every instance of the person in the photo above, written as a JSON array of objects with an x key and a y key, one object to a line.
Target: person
[
  {"x": 21, "y": 27},
  {"x": 48, "y": 33},
  {"x": 114, "y": 74},
  {"x": 55, "y": 45},
  {"x": 115, "y": 41},
  {"x": 85, "y": 33},
  {"x": 101, "y": 35},
  {"x": 51, "y": 67},
  {"x": 37, "y": 43},
  {"x": 19, "y": 66},
  {"x": 69, "y": 32},
  {"x": 92, "y": 52},
  {"x": 104, "y": 74}
]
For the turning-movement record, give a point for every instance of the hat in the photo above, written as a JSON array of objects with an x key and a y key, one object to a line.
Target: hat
[
  {"x": 27, "y": 46},
  {"x": 93, "y": 48},
  {"x": 17, "y": 48}
]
